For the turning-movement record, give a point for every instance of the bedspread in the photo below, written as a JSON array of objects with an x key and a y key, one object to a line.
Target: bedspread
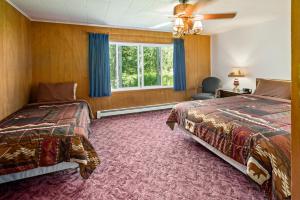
[
  {"x": 42, "y": 135},
  {"x": 253, "y": 130}
]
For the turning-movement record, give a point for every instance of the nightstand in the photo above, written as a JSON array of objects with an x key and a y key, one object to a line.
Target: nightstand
[{"x": 222, "y": 93}]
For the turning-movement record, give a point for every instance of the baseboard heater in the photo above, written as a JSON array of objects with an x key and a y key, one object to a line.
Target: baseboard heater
[{"x": 131, "y": 110}]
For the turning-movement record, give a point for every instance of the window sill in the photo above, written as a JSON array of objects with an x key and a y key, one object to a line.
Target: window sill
[{"x": 141, "y": 89}]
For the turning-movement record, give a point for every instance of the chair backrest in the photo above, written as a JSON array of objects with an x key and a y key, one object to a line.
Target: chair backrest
[{"x": 211, "y": 84}]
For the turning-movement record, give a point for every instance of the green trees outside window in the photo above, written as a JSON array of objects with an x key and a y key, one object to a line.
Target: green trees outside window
[
  {"x": 140, "y": 65},
  {"x": 152, "y": 67},
  {"x": 128, "y": 66},
  {"x": 167, "y": 66},
  {"x": 113, "y": 64}
]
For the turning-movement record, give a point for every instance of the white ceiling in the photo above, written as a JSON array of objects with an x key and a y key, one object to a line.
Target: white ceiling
[{"x": 145, "y": 14}]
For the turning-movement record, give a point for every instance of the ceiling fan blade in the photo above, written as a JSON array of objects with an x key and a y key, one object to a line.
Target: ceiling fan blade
[
  {"x": 219, "y": 16},
  {"x": 160, "y": 25},
  {"x": 198, "y": 5}
]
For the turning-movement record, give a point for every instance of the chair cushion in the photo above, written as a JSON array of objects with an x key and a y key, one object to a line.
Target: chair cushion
[{"x": 203, "y": 96}]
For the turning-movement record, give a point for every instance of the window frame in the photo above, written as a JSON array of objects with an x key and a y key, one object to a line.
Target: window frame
[{"x": 140, "y": 67}]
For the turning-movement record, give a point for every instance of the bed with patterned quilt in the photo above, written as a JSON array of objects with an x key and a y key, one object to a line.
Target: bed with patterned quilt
[
  {"x": 249, "y": 129},
  {"x": 45, "y": 135}
]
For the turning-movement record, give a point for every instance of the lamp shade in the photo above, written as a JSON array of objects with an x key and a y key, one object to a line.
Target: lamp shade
[
  {"x": 237, "y": 72},
  {"x": 198, "y": 26},
  {"x": 179, "y": 22}
]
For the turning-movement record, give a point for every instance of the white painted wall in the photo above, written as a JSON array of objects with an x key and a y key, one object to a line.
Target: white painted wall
[{"x": 264, "y": 50}]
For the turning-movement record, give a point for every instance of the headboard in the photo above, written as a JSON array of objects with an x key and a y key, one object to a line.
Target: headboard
[{"x": 279, "y": 80}]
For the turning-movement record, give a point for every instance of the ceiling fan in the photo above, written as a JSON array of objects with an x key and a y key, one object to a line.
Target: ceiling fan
[{"x": 187, "y": 22}]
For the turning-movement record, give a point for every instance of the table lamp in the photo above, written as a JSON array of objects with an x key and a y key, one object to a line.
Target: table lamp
[{"x": 236, "y": 73}]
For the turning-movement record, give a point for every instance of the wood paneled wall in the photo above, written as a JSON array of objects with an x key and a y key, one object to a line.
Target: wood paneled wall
[
  {"x": 15, "y": 59},
  {"x": 295, "y": 100},
  {"x": 60, "y": 53}
]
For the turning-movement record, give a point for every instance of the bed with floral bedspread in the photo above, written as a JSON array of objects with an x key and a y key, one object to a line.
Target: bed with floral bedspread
[{"x": 252, "y": 130}]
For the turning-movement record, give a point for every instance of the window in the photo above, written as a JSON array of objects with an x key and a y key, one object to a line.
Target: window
[{"x": 140, "y": 66}]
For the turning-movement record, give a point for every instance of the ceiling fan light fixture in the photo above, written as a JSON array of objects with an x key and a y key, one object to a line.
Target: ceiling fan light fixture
[
  {"x": 179, "y": 22},
  {"x": 199, "y": 17},
  {"x": 180, "y": 9},
  {"x": 198, "y": 26},
  {"x": 187, "y": 22}
]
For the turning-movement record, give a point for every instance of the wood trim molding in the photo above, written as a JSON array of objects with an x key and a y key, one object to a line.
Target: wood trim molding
[
  {"x": 295, "y": 99},
  {"x": 97, "y": 25},
  {"x": 19, "y": 9}
]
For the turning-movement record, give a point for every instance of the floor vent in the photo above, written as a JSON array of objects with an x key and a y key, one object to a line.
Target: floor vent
[{"x": 124, "y": 111}]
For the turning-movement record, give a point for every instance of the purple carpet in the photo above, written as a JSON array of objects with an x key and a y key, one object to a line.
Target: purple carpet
[{"x": 142, "y": 159}]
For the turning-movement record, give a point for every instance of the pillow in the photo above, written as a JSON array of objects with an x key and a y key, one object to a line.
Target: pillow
[
  {"x": 48, "y": 92},
  {"x": 274, "y": 88}
]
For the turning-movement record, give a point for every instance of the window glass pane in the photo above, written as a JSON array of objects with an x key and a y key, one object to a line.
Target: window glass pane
[
  {"x": 128, "y": 65},
  {"x": 151, "y": 66},
  {"x": 154, "y": 67},
  {"x": 167, "y": 66},
  {"x": 112, "y": 62}
]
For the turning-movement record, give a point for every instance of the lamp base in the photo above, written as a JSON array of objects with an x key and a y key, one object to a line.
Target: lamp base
[
  {"x": 236, "y": 84},
  {"x": 236, "y": 89}
]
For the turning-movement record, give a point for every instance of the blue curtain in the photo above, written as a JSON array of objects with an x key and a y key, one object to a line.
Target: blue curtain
[
  {"x": 179, "y": 65},
  {"x": 99, "y": 69}
]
